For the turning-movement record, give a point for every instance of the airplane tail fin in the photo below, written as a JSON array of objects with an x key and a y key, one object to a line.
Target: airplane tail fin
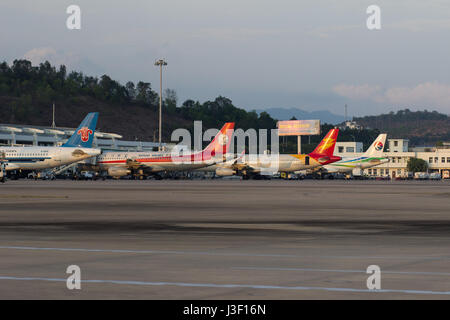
[
  {"x": 84, "y": 134},
  {"x": 324, "y": 151},
  {"x": 377, "y": 147},
  {"x": 221, "y": 142}
]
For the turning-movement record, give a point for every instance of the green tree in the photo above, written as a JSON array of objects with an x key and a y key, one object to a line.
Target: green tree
[
  {"x": 131, "y": 90},
  {"x": 145, "y": 94},
  {"x": 417, "y": 165},
  {"x": 170, "y": 100}
]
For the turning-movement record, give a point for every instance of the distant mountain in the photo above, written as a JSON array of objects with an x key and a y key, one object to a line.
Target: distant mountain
[
  {"x": 285, "y": 114},
  {"x": 420, "y": 127}
]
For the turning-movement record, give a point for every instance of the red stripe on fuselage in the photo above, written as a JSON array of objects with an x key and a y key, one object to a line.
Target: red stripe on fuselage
[{"x": 187, "y": 158}]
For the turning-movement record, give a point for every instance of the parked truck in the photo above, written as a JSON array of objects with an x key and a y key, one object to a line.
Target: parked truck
[{"x": 446, "y": 174}]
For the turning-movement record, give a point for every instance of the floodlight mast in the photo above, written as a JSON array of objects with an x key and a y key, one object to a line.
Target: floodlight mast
[{"x": 160, "y": 63}]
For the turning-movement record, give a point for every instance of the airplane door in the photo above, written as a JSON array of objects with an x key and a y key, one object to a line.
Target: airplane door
[
  {"x": 307, "y": 160},
  {"x": 56, "y": 157}
]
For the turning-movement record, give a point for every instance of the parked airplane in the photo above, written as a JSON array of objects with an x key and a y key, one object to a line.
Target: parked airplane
[
  {"x": 77, "y": 148},
  {"x": 251, "y": 165},
  {"x": 119, "y": 164},
  {"x": 372, "y": 157}
]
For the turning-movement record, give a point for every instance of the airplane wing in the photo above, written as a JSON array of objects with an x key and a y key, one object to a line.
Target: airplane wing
[
  {"x": 241, "y": 166},
  {"x": 134, "y": 164},
  {"x": 227, "y": 159},
  {"x": 246, "y": 168}
]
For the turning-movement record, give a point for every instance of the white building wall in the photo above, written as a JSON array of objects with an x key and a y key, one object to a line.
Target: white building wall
[
  {"x": 398, "y": 145},
  {"x": 101, "y": 140},
  {"x": 348, "y": 148},
  {"x": 397, "y": 166},
  {"x": 438, "y": 160}
]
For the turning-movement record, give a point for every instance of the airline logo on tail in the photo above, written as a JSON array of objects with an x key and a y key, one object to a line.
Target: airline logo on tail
[
  {"x": 221, "y": 141},
  {"x": 326, "y": 144},
  {"x": 84, "y": 132},
  {"x": 324, "y": 151},
  {"x": 376, "y": 149},
  {"x": 379, "y": 146}
]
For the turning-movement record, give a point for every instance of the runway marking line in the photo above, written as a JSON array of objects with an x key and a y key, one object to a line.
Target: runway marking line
[
  {"x": 217, "y": 253},
  {"x": 230, "y": 286},
  {"x": 342, "y": 271}
]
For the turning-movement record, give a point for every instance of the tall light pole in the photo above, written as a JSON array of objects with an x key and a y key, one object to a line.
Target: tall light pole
[
  {"x": 53, "y": 122},
  {"x": 160, "y": 63}
]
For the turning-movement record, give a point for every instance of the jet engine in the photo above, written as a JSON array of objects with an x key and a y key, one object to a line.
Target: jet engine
[
  {"x": 222, "y": 172},
  {"x": 118, "y": 172}
]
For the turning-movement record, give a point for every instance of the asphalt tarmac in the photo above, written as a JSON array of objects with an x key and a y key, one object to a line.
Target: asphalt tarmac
[{"x": 225, "y": 239}]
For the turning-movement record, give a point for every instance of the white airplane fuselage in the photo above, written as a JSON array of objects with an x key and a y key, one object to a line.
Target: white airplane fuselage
[
  {"x": 38, "y": 158},
  {"x": 118, "y": 163},
  {"x": 151, "y": 161},
  {"x": 348, "y": 164}
]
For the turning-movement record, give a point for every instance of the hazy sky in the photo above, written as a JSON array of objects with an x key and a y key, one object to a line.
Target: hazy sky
[{"x": 313, "y": 55}]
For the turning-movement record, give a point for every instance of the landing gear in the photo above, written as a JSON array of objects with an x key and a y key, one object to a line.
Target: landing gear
[
  {"x": 2, "y": 167},
  {"x": 2, "y": 172}
]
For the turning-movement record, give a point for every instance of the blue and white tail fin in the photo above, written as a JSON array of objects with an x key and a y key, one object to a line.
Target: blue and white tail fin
[
  {"x": 84, "y": 134},
  {"x": 377, "y": 147}
]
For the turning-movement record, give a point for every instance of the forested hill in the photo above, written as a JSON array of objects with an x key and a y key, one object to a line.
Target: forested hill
[
  {"x": 27, "y": 93},
  {"x": 421, "y": 127}
]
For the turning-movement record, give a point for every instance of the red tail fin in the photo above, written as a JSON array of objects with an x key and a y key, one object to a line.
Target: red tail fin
[
  {"x": 221, "y": 141},
  {"x": 324, "y": 151}
]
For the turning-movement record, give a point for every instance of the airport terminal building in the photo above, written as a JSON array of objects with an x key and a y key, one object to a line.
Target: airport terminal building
[
  {"x": 24, "y": 135},
  {"x": 398, "y": 151}
]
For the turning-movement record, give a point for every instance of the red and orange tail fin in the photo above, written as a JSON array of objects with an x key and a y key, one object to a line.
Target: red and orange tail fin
[
  {"x": 324, "y": 151},
  {"x": 221, "y": 141}
]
